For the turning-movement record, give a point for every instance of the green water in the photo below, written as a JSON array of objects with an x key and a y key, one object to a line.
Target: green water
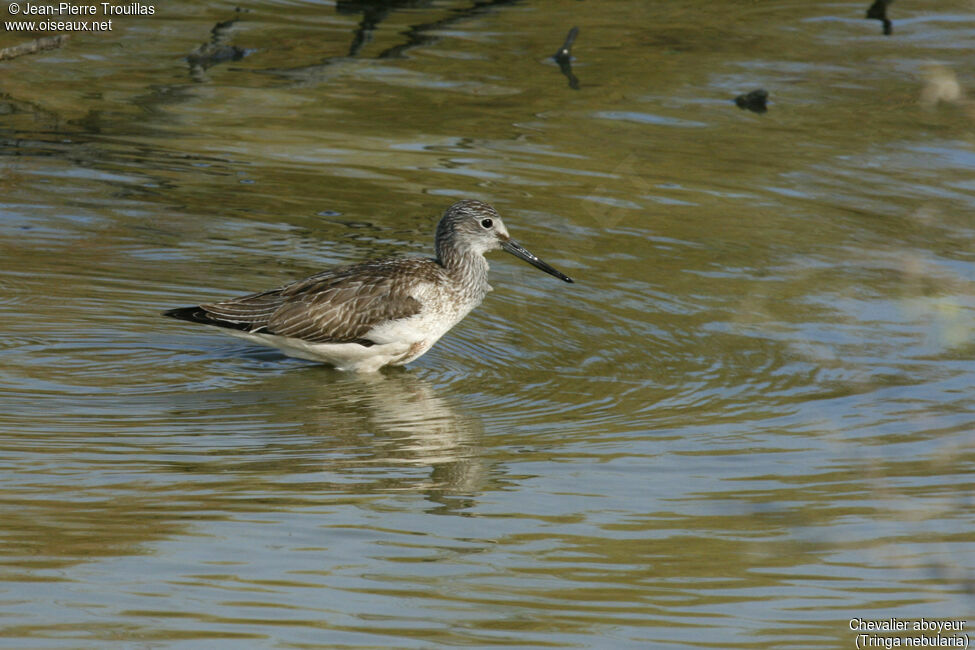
[{"x": 748, "y": 422}]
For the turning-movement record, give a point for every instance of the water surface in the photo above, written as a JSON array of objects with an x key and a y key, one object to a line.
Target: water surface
[{"x": 747, "y": 423}]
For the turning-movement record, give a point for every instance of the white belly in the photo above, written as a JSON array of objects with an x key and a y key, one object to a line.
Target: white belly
[
  {"x": 396, "y": 342},
  {"x": 343, "y": 356}
]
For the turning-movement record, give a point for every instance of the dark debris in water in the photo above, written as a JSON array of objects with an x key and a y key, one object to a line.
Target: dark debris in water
[
  {"x": 31, "y": 47},
  {"x": 217, "y": 49},
  {"x": 564, "y": 58},
  {"x": 374, "y": 12},
  {"x": 755, "y": 101},
  {"x": 878, "y": 11}
]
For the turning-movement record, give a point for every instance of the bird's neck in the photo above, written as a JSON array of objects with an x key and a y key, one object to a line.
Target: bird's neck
[{"x": 466, "y": 265}]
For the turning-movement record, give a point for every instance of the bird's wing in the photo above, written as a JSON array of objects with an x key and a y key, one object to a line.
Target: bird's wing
[{"x": 337, "y": 306}]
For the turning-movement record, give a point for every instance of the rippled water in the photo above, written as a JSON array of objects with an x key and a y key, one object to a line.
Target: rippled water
[{"x": 749, "y": 422}]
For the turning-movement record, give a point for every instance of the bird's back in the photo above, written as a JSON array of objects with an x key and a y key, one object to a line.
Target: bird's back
[{"x": 340, "y": 305}]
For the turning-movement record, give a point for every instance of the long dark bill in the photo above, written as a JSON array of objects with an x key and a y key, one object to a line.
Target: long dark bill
[{"x": 520, "y": 251}]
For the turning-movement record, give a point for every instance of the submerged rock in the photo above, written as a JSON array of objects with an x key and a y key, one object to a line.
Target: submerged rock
[{"x": 755, "y": 101}]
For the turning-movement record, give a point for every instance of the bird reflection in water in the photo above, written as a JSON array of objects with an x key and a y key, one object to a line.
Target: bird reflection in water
[{"x": 395, "y": 423}]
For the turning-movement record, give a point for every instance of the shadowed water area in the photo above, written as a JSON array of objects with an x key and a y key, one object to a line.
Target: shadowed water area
[{"x": 748, "y": 422}]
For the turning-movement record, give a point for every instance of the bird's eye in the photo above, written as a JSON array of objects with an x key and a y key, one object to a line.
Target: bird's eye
[{"x": 487, "y": 223}]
